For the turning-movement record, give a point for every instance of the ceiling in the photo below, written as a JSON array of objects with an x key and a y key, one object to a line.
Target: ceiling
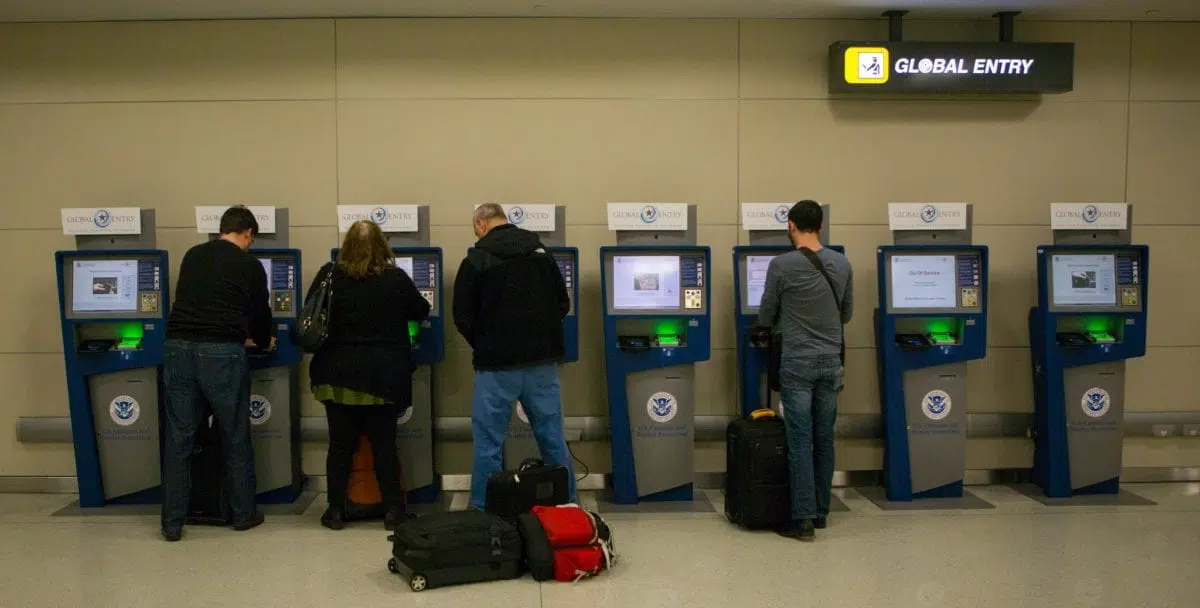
[{"x": 129, "y": 10}]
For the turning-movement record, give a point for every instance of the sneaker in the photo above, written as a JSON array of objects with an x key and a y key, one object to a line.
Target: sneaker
[
  {"x": 333, "y": 519},
  {"x": 172, "y": 535},
  {"x": 805, "y": 530},
  {"x": 255, "y": 521},
  {"x": 820, "y": 523}
]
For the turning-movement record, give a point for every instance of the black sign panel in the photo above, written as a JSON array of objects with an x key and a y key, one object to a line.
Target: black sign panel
[{"x": 951, "y": 67}]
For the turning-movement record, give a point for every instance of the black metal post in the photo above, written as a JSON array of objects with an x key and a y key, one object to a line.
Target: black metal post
[
  {"x": 895, "y": 25},
  {"x": 1006, "y": 24}
]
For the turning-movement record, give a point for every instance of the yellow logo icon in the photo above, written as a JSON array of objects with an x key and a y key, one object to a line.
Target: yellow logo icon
[{"x": 867, "y": 65}]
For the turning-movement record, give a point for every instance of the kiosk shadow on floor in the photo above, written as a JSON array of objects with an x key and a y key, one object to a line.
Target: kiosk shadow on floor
[
  {"x": 1124, "y": 498},
  {"x": 878, "y": 495}
]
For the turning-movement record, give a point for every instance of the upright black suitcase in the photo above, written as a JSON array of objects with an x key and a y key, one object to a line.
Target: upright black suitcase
[
  {"x": 454, "y": 548},
  {"x": 511, "y": 493},
  {"x": 209, "y": 501},
  {"x": 756, "y": 472}
]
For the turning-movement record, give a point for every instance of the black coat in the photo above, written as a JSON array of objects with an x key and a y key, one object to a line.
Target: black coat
[
  {"x": 368, "y": 348},
  {"x": 510, "y": 300}
]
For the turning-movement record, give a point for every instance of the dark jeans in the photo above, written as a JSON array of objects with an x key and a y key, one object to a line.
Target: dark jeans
[
  {"x": 196, "y": 373},
  {"x": 809, "y": 391},
  {"x": 346, "y": 424}
]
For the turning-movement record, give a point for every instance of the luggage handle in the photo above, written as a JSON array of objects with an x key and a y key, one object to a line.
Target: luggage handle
[
  {"x": 530, "y": 463},
  {"x": 759, "y": 414}
]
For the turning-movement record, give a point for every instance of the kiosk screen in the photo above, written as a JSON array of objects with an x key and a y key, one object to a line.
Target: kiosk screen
[
  {"x": 924, "y": 281},
  {"x": 1084, "y": 279},
  {"x": 104, "y": 286},
  {"x": 645, "y": 282}
]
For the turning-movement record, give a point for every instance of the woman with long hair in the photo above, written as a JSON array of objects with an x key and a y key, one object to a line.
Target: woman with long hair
[{"x": 363, "y": 371}]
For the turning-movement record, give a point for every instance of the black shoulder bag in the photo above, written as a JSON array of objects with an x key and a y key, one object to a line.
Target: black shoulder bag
[
  {"x": 312, "y": 328},
  {"x": 775, "y": 353}
]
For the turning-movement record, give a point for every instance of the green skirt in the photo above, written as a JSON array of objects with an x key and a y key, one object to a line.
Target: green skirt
[{"x": 344, "y": 396}]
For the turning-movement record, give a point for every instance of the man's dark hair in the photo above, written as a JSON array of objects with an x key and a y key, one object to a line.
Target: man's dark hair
[
  {"x": 239, "y": 219},
  {"x": 807, "y": 216}
]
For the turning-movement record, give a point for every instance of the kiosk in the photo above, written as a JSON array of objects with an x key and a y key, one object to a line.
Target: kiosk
[
  {"x": 274, "y": 374},
  {"x": 655, "y": 291},
  {"x": 766, "y": 224},
  {"x": 1090, "y": 317},
  {"x": 113, "y": 295},
  {"x": 931, "y": 320},
  {"x": 549, "y": 221},
  {"x": 407, "y": 230}
]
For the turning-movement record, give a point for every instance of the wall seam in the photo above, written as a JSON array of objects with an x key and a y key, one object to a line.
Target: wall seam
[
  {"x": 337, "y": 134},
  {"x": 1129, "y": 111}
]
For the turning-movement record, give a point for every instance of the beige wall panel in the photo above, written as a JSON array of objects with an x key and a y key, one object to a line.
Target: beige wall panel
[
  {"x": 1173, "y": 296},
  {"x": 453, "y": 154},
  {"x": 858, "y": 455},
  {"x": 1006, "y": 453},
  {"x": 35, "y": 385},
  {"x": 30, "y": 304},
  {"x": 166, "y": 61},
  {"x": 1151, "y": 452},
  {"x": 1012, "y": 272},
  {"x": 1164, "y": 151},
  {"x": 789, "y": 59},
  {"x": 716, "y": 384},
  {"x": 1001, "y": 382},
  {"x": 584, "y": 385},
  {"x": 1159, "y": 382},
  {"x": 1165, "y": 62},
  {"x": 861, "y": 395},
  {"x": 861, "y": 242},
  {"x": 167, "y": 156},
  {"x": 1009, "y": 158},
  {"x": 537, "y": 58}
]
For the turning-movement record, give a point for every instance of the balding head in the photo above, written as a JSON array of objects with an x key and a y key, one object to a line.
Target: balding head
[{"x": 486, "y": 217}]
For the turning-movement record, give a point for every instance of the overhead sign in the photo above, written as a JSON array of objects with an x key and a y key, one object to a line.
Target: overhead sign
[
  {"x": 389, "y": 218},
  {"x": 208, "y": 218},
  {"x": 648, "y": 216},
  {"x": 98, "y": 220},
  {"x": 535, "y": 218},
  {"x": 1089, "y": 216},
  {"x": 927, "y": 216},
  {"x": 951, "y": 67},
  {"x": 765, "y": 216}
]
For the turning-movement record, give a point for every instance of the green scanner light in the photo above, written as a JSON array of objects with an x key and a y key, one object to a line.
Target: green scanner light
[
  {"x": 941, "y": 338},
  {"x": 414, "y": 332},
  {"x": 668, "y": 340}
]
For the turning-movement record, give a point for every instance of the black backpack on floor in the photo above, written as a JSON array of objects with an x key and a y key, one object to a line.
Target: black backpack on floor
[{"x": 209, "y": 502}]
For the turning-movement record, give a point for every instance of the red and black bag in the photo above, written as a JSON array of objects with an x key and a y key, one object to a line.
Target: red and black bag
[{"x": 577, "y": 543}]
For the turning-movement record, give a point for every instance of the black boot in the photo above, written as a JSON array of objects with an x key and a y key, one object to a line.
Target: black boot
[
  {"x": 395, "y": 516},
  {"x": 334, "y": 518}
]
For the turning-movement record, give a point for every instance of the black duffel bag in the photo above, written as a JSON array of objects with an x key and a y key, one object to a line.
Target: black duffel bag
[{"x": 511, "y": 493}]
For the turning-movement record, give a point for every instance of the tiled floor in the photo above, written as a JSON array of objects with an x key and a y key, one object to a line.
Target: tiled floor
[{"x": 1019, "y": 554}]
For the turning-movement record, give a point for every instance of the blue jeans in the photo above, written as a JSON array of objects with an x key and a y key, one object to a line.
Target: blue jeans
[
  {"x": 216, "y": 374},
  {"x": 491, "y": 412},
  {"x": 809, "y": 391}
]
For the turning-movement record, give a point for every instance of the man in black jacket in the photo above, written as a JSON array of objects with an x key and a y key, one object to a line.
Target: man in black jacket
[
  {"x": 509, "y": 302},
  {"x": 221, "y": 306}
]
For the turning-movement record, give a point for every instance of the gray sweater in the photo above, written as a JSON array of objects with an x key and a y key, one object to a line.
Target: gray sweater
[{"x": 797, "y": 304}]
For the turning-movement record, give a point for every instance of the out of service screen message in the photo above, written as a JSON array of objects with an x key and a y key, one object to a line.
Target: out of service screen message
[{"x": 924, "y": 281}]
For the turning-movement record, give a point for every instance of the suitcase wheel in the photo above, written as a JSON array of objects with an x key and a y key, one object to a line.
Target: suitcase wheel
[
  {"x": 417, "y": 582},
  {"x": 392, "y": 566}
]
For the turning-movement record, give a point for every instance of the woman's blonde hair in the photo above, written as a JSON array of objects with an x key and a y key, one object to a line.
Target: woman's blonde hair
[{"x": 365, "y": 251}]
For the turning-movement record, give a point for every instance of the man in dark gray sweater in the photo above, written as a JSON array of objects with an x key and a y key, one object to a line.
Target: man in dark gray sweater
[{"x": 807, "y": 300}]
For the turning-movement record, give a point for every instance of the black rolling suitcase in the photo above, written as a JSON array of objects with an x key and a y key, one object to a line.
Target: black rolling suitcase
[
  {"x": 756, "y": 472},
  {"x": 209, "y": 501},
  {"x": 511, "y": 493},
  {"x": 454, "y": 548}
]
